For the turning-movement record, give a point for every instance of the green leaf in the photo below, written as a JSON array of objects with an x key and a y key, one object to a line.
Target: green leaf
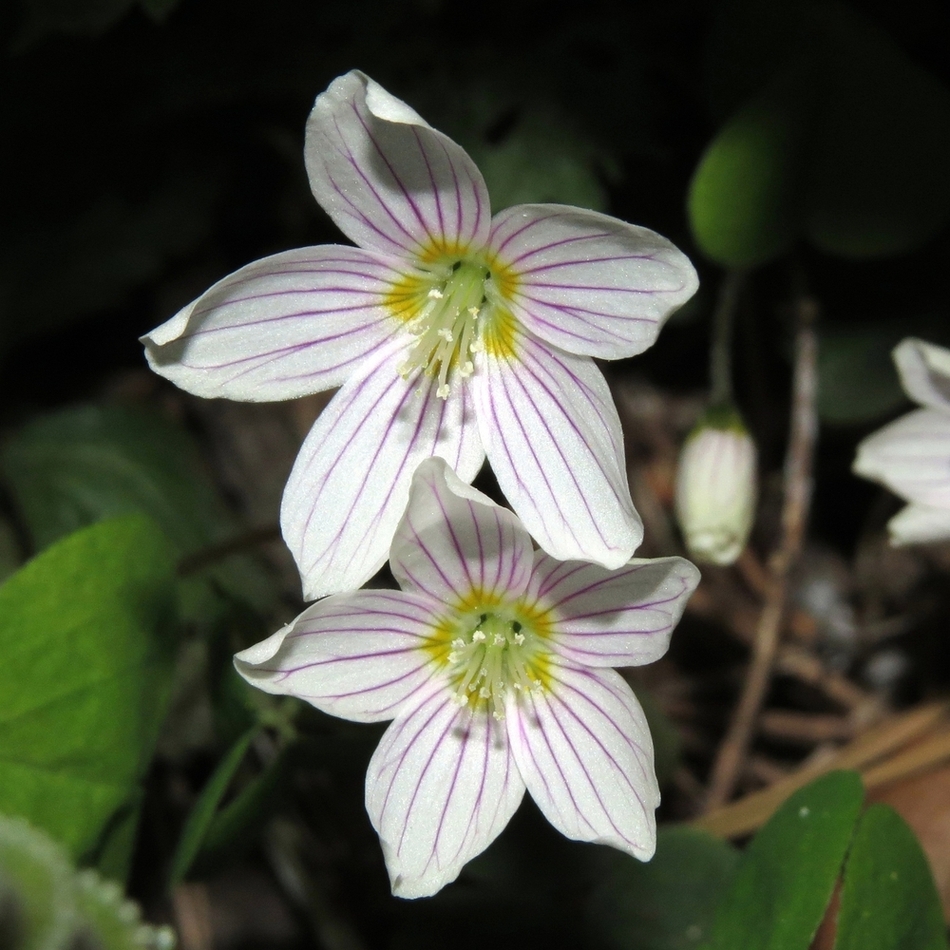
[
  {"x": 743, "y": 201},
  {"x": 238, "y": 815},
  {"x": 203, "y": 813},
  {"x": 786, "y": 876},
  {"x": 857, "y": 381},
  {"x": 667, "y": 903},
  {"x": 85, "y": 635},
  {"x": 839, "y": 137},
  {"x": 78, "y": 466},
  {"x": 888, "y": 901}
]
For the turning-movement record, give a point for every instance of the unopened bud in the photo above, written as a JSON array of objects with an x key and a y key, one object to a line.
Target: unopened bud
[{"x": 716, "y": 487}]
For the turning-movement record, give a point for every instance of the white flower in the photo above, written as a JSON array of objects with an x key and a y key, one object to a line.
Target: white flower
[
  {"x": 494, "y": 660},
  {"x": 716, "y": 487},
  {"x": 452, "y": 333},
  {"x": 911, "y": 456}
]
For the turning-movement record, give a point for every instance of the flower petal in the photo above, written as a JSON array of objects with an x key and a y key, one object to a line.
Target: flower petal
[
  {"x": 586, "y": 755},
  {"x": 285, "y": 326},
  {"x": 553, "y": 438},
  {"x": 925, "y": 372},
  {"x": 919, "y": 524},
  {"x": 349, "y": 485},
  {"x": 586, "y": 282},
  {"x": 440, "y": 788},
  {"x": 454, "y": 541},
  {"x": 360, "y": 656},
  {"x": 612, "y": 618},
  {"x": 390, "y": 181},
  {"x": 911, "y": 456}
]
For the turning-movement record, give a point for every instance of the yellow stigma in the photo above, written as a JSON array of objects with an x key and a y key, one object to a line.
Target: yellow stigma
[
  {"x": 493, "y": 654},
  {"x": 454, "y": 310}
]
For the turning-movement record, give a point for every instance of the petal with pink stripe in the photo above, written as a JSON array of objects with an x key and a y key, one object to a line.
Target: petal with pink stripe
[
  {"x": 440, "y": 788},
  {"x": 589, "y": 283},
  {"x": 919, "y": 524},
  {"x": 454, "y": 541},
  {"x": 911, "y": 456},
  {"x": 586, "y": 756},
  {"x": 612, "y": 618},
  {"x": 285, "y": 326},
  {"x": 925, "y": 372},
  {"x": 389, "y": 180},
  {"x": 360, "y": 656},
  {"x": 350, "y": 483},
  {"x": 553, "y": 439}
]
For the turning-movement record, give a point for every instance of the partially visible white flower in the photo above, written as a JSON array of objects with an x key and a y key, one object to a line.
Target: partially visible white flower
[
  {"x": 451, "y": 332},
  {"x": 494, "y": 661},
  {"x": 911, "y": 456},
  {"x": 716, "y": 487}
]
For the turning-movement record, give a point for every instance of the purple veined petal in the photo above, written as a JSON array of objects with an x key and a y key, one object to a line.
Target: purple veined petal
[
  {"x": 440, "y": 787},
  {"x": 612, "y": 618},
  {"x": 919, "y": 524},
  {"x": 295, "y": 323},
  {"x": 586, "y": 282},
  {"x": 359, "y": 656},
  {"x": 390, "y": 181},
  {"x": 585, "y": 752},
  {"x": 553, "y": 438},
  {"x": 350, "y": 483},
  {"x": 911, "y": 456},
  {"x": 454, "y": 542},
  {"x": 925, "y": 372}
]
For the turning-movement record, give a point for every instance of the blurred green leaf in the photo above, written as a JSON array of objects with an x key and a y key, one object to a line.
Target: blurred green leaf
[
  {"x": 80, "y": 465},
  {"x": 203, "y": 812},
  {"x": 785, "y": 878},
  {"x": 888, "y": 901},
  {"x": 667, "y": 903},
  {"x": 743, "y": 201},
  {"x": 86, "y": 634},
  {"x": 857, "y": 381},
  {"x": 855, "y": 160}
]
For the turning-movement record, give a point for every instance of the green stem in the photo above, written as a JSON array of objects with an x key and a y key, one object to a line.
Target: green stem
[{"x": 720, "y": 353}]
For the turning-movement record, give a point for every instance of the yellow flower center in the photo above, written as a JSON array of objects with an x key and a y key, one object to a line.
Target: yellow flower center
[
  {"x": 454, "y": 311},
  {"x": 493, "y": 656}
]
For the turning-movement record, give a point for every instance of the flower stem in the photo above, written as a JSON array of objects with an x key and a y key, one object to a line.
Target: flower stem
[{"x": 720, "y": 352}]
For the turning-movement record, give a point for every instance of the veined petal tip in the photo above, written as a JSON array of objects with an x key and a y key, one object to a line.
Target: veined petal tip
[{"x": 246, "y": 662}]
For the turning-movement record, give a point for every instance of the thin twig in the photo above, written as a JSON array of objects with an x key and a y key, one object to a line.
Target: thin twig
[
  {"x": 798, "y": 482},
  {"x": 206, "y": 557}
]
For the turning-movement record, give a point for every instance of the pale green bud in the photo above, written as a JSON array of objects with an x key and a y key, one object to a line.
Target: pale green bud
[{"x": 716, "y": 487}]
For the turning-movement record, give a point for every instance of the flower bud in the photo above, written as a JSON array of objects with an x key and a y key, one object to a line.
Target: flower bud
[{"x": 716, "y": 487}]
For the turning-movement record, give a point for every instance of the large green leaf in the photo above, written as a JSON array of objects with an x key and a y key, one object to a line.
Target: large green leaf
[
  {"x": 888, "y": 901},
  {"x": 667, "y": 903},
  {"x": 85, "y": 636},
  {"x": 786, "y": 876},
  {"x": 80, "y": 465},
  {"x": 743, "y": 202}
]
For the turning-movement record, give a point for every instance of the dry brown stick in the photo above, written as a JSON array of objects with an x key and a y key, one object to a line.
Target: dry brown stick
[
  {"x": 865, "y": 753},
  {"x": 798, "y": 467},
  {"x": 211, "y": 555}
]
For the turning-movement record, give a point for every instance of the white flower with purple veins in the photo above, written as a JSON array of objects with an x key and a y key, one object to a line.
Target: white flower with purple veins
[
  {"x": 451, "y": 333},
  {"x": 911, "y": 456},
  {"x": 494, "y": 661}
]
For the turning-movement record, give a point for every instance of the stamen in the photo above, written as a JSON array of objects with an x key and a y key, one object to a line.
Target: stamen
[
  {"x": 497, "y": 656},
  {"x": 446, "y": 327}
]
